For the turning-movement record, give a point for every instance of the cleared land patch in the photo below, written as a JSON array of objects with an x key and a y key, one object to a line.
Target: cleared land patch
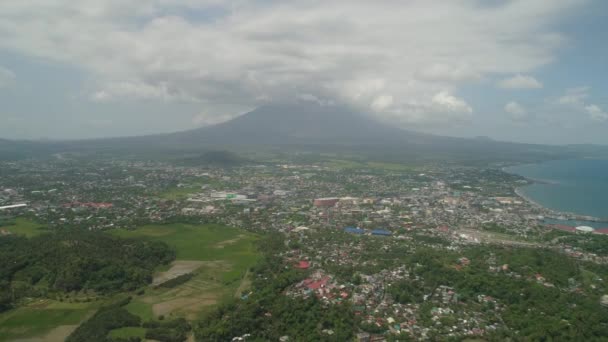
[
  {"x": 178, "y": 268},
  {"x": 22, "y": 226},
  {"x": 43, "y": 320},
  {"x": 218, "y": 256}
]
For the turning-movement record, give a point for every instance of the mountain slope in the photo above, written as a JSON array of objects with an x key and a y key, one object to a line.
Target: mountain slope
[
  {"x": 281, "y": 124},
  {"x": 305, "y": 127}
]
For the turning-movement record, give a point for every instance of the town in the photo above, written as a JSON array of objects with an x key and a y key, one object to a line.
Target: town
[{"x": 358, "y": 234}]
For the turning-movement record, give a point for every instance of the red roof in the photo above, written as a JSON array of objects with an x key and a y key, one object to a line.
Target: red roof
[
  {"x": 562, "y": 227},
  {"x": 317, "y": 284},
  {"x": 88, "y": 204},
  {"x": 602, "y": 231},
  {"x": 303, "y": 265}
]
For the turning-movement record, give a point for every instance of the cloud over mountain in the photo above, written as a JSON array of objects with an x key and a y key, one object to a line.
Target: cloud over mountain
[{"x": 402, "y": 60}]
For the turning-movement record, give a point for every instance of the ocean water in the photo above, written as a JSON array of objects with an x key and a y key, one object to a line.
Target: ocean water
[{"x": 576, "y": 186}]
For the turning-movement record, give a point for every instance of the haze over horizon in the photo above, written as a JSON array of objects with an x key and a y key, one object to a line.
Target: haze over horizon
[{"x": 514, "y": 70}]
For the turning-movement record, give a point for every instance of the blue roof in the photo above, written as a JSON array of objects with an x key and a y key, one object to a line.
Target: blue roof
[
  {"x": 354, "y": 230},
  {"x": 381, "y": 232}
]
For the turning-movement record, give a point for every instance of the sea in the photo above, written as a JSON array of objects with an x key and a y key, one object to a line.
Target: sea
[{"x": 578, "y": 186}]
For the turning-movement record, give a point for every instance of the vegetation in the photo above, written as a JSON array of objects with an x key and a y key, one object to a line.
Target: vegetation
[
  {"x": 41, "y": 317},
  {"x": 268, "y": 314},
  {"x": 21, "y": 226},
  {"x": 109, "y": 317},
  {"x": 57, "y": 264},
  {"x": 171, "y": 283},
  {"x": 169, "y": 331},
  {"x": 221, "y": 257}
]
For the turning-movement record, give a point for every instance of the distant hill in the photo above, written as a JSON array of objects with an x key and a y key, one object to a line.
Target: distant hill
[
  {"x": 306, "y": 127},
  {"x": 302, "y": 123}
]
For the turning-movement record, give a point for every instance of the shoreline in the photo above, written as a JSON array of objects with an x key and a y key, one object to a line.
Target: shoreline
[
  {"x": 551, "y": 213},
  {"x": 559, "y": 215}
]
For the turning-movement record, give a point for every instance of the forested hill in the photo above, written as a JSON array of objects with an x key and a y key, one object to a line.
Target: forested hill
[{"x": 53, "y": 264}]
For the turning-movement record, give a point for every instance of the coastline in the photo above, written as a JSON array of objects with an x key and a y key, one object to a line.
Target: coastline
[
  {"x": 522, "y": 195},
  {"x": 550, "y": 213}
]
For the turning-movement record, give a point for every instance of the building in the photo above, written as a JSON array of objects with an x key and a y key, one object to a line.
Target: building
[
  {"x": 14, "y": 206},
  {"x": 363, "y": 337},
  {"x": 325, "y": 202},
  {"x": 381, "y": 232},
  {"x": 584, "y": 229},
  {"x": 354, "y": 230}
]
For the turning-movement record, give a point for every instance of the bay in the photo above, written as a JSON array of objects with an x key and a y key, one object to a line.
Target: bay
[{"x": 577, "y": 186}]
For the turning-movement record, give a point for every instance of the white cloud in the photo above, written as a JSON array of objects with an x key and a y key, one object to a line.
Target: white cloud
[
  {"x": 520, "y": 82},
  {"x": 516, "y": 111},
  {"x": 205, "y": 119},
  {"x": 395, "y": 57},
  {"x": 449, "y": 103},
  {"x": 382, "y": 102},
  {"x": 575, "y": 102},
  {"x": 444, "y": 72},
  {"x": 574, "y": 96},
  {"x": 7, "y": 77},
  {"x": 596, "y": 113}
]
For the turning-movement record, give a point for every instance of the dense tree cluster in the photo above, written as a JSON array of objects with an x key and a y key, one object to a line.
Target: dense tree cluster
[
  {"x": 110, "y": 317},
  {"x": 70, "y": 261},
  {"x": 169, "y": 331}
]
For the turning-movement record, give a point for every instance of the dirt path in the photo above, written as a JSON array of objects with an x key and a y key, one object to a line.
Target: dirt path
[
  {"x": 229, "y": 242},
  {"x": 178, "y": 268},
  {"x": 58, "y": 334},
  {"x": 245, "y": 283}
]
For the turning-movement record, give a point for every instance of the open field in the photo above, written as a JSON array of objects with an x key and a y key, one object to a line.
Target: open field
[
  {"x": 43, "y": 320},
  {"x": 218, "y": 256},
  {"x": 494, "y": 237},
  {"x": 354, "y": 164},
  {"x": 128, "y": 332},
  {"x": 25, "y": 227},
  {"x": 178, "y": 268}
]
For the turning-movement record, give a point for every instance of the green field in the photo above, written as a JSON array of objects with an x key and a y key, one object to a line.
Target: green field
[
  {"x": 128, "y": 332},
  {"x": 25, "y": 227},
  {"x": 355, "y": 164},
  {"x": 221, "y": 255},
  {"x": 40, "y": 317}
]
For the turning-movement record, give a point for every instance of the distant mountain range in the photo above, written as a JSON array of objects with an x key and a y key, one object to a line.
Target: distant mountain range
[{"x": 308, "y": 126}]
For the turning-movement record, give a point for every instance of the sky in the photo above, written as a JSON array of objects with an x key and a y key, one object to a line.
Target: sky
[{"x": 515, "y": 70}]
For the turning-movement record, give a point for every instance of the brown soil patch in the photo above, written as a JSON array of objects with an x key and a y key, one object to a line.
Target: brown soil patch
[
  {"x": 58, "y": 334},
  {"x": 178, "y": 268},
  {"x": 229, "y": 242},
  {"x": 186, "y": 305}
]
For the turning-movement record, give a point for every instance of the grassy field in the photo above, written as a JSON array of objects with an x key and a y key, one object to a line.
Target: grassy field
[
  {"x": 128, "y": 332},
  {"x": 25, "y": 227},
  {"x": 40, "y": 317},
  {"x": 221, "y": 255},
  {"x": 354, "y": 164}
]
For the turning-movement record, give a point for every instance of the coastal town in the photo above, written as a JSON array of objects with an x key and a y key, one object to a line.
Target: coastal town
[{"x": 358, "y": 235}]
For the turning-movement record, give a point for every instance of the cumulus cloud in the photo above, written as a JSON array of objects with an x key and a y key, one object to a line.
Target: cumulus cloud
[
  {"x": 449, "y": 103},
  {"x": 7, "y": 77},
  {"x": 395, "y": 58},
  {"x": 444, "y": 72},
  {"x": 574, "y": 96},
  {"x": 206, "y": 119},
  {"x": 520, "y": 82},
  {"x": 596, "y": 113},
  {"x": 516, "y": 111},
  {"x": 576, "y": 101},
  {"x": 382, "y": 102}
]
